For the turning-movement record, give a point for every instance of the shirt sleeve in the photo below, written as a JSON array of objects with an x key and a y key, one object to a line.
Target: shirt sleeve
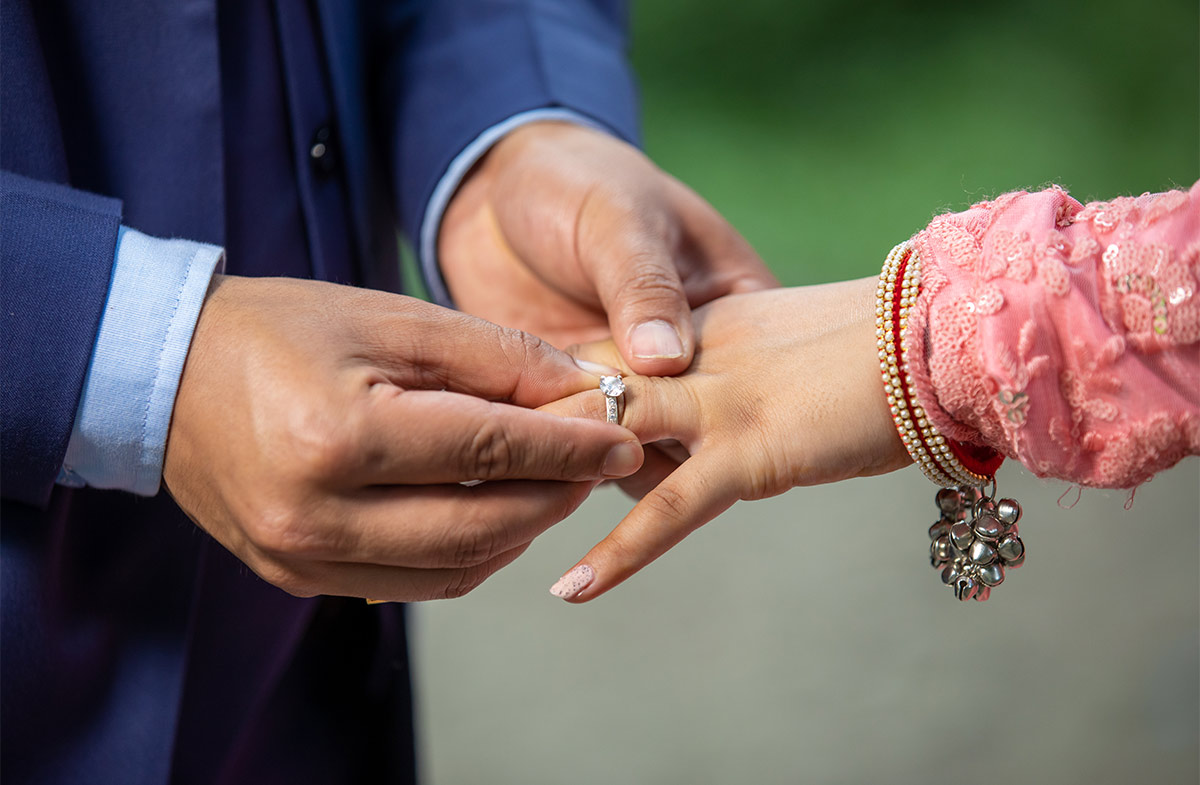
[
  {"x": 119, "y": 436},
  {"x": 1063, "y": 335}
]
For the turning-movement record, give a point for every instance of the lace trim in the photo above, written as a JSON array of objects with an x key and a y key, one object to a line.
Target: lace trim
[{"x": 1062, "y": 334}]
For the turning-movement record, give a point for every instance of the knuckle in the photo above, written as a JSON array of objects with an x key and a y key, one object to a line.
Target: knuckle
[
  {"x": 521, "y": 348},
  {"x": 762, "y": 479},
  {"x": 692, "y": 396},
  {"x": 273, "y": 528},
  {"x": 648, "y": 279},
  {"x": 490, "y": 452},
  {"x": 637, "y": 214},
  {"x": 641, "y": 408},
  {"x": 463, "y": 582},
  {"x": 572, "y": 457},
  {"x": 287, "y": 578},
  {"x": 667, "y": 502},
  {"x": 652, "y": 403},
  {"x": 473, "y": 546},
  {"x": 322, "y": 446},
  {"x": 281, "y": 529},
  {"x": 532, "y": 347}
]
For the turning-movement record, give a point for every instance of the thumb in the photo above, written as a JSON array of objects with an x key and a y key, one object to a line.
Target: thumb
[{"x": 642, "y": 293}]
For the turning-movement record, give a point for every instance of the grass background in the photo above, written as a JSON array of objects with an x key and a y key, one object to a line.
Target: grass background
[{"x": 827, "y": 131}]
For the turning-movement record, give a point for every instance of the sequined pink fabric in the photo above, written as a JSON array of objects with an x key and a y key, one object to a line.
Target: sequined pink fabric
[{"x": 1066, "y": 336}]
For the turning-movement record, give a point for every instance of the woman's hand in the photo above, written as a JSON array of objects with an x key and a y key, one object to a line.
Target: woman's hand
[{"x": 784, "y": 390}]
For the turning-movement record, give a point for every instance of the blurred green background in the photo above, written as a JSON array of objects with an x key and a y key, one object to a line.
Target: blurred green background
[
  {"x": 828, "y": 130},
  {"x": 804, "y": 639}
]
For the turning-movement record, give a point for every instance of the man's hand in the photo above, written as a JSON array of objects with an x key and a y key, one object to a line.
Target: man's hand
[
  {"x": 573, "y": 235},
  {"x": 321, "y": 433}
]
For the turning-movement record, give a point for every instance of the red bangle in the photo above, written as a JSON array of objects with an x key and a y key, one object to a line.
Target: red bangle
[{"x": 944, "y": 461}]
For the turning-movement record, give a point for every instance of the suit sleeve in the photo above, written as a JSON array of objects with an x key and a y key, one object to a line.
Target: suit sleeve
[
  {"x": 456, "y": 69},
  {"x": 57, "y": 247}
]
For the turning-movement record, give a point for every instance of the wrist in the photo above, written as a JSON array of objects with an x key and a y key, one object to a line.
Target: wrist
[
  {"x": 536, "y": 133},
  {"x": 892, "y": 451}
]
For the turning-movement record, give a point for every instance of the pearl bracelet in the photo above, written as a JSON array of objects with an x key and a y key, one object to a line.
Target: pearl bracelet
[
  {"x": 899, "y": 285},
  {"x": 976, "y": 537}
]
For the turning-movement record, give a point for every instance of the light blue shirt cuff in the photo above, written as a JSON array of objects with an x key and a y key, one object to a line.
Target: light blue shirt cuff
[
  {"x": 154, "y": 300},
  {"x": 435, "y": 282}
]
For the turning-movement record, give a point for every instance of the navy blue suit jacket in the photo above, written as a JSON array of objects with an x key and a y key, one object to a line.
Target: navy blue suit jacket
[{"x": 135, "y": 649}]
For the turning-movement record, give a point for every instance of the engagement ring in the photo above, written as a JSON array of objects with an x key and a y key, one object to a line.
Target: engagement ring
[{"x": 613, "y": 388}]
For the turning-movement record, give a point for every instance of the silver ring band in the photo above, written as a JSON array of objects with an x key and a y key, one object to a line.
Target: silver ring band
[{"x": 613, "y": 388}]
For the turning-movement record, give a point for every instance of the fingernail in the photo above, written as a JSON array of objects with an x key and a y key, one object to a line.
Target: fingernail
[
  {"x": 575, "y": 581},
  {"x": 596, "y": 369},
  {"x": 656, "y": 340},
  {"x": 621, "y": 460}
]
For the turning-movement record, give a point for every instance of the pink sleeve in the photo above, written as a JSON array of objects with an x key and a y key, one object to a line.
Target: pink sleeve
[{"x": 1065, "y": 336}]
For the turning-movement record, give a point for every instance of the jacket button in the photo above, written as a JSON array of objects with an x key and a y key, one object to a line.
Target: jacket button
[{"x": 320, "y": 151}]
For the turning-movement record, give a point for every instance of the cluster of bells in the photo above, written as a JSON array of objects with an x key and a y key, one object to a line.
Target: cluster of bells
[{"x": 975, "y": 541}]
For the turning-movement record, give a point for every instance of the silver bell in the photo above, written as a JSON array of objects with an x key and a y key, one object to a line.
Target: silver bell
[
  {"x": 988, "y": 527},
  {"x": 965, "y": 588},
  {"x": 969, "y": 494},
  {"x": 949, "y": 500},
  {"x": 1011, "y": 549},
  {"x": 982, "y": 553},
  {"x": 976, "y": 541},
  {"x": 961, "y": 536},
  {"x": 991, "y": 575},
  {"x": 940, "y": 551},
  {"x": 950, "y": 574},
  {"x": 1008, "y": 511}
]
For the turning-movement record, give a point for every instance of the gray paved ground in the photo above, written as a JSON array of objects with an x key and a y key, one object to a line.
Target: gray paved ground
[{"x": 805, "y": 639}]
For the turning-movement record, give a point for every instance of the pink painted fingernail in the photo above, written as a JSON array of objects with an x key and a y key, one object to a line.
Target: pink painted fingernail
[
  {"x": 656, "y": 340},
  {"x": 575, "y": 581},
  {"x": 596, "y": 369}
]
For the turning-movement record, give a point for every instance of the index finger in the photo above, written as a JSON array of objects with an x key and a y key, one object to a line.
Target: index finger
[
  {"x": 690, "y": 497},
  {"x": 429, "y": 347},
  {"x": 416, "y": 437}
]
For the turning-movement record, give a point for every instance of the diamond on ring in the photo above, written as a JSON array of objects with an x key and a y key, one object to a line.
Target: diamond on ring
[{"x": 613, "y": 388}]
